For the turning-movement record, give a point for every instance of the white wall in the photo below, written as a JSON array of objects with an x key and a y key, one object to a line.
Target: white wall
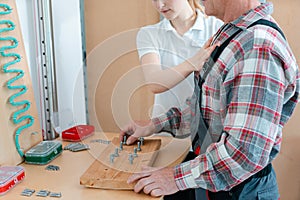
[{"x": 68, "y": 57}]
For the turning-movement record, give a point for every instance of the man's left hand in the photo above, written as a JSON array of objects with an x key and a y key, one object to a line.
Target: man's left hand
[{"x": 155, "y": 181}]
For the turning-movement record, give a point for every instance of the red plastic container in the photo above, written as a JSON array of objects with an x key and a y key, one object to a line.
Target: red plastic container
[
  {"x": 9, "y": 177},
  {"x": 78, "y": 133}
]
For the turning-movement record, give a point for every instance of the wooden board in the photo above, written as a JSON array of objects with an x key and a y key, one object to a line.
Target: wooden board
[
  {"x": 106, "y": 175},
  {"x": 32, "y": 135},
  {"x": 74, "y": 164}
]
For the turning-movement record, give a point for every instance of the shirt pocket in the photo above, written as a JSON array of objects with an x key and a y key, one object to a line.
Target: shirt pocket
[{"x": 198, "y": 43}]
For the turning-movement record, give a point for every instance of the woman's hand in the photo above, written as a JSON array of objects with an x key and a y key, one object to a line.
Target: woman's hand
[{"x": 198, "y": 60}]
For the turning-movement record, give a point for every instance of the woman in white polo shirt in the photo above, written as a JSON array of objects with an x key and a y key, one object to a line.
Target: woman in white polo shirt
[{"x": 170, "y": 51}]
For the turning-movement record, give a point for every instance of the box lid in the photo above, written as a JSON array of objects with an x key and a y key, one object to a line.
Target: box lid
[
  {"x": 78, "y": 132},
  {"x": 8, "y": 173},
  {"x": 43, "y": 149}
]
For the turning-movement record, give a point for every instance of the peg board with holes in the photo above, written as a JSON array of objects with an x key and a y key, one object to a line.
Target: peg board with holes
[
  {"x": 105, "y": 174},
  {"x": 16, "y": 93}
]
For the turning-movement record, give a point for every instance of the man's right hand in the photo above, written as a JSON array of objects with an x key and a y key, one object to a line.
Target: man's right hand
[{"x": 137, "y": 129}]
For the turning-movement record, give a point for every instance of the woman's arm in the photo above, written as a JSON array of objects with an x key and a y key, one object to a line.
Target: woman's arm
[{"x": 160, "y": 80}]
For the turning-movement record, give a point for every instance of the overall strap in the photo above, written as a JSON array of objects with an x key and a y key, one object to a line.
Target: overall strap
[
  {"x": 268, "y": 23},
  {"x": 219, "y": 49}
]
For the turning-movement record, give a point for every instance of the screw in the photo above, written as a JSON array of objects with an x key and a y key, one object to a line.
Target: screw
[
  {"x": 130, "y": 158},
  {"x": 121, "y": 146},
  {"x": 139, "y": 146},
  {"x": 55, "y": 194},
  {"x": 135, "y": 152},
  {"x": 124, "y": 139},
  {"x": 112, "y": 157},
  {"x": 27, "y": 192},
  {"x": 142, "y": 140},
  {"x": 116, "y": 152},
  {"x": 43, "y": 193}
]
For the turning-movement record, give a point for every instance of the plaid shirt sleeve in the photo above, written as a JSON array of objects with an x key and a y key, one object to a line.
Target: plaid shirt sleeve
[
  {"x": 262, "y": 97},
  {"x": 175, "y": 121}
]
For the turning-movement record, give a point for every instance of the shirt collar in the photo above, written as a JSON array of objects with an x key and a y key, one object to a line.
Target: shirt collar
[
  {"x": 253, "y": 15},
  {"x": 198, "y": 25}
]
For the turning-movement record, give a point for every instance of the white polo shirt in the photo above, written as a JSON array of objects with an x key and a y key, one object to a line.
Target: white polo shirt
[{"x": 173, "y": 49}]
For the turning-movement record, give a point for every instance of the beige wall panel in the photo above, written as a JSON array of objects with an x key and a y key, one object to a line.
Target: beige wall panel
[
  {"x": 287, "y": 14},
  {"x": 32, "y": 135},
  {"x": 287, "y": 164},
  {"x": 112, "y": 61}
]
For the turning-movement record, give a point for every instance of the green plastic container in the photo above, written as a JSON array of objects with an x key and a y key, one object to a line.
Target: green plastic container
[{"x": 43, "y": 152}]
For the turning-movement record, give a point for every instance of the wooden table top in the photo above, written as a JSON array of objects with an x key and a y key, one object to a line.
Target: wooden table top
[{"x": 74, "y": 164}]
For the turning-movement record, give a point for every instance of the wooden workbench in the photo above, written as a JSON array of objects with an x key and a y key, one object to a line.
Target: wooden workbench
[{"x": 74, "y": 164}]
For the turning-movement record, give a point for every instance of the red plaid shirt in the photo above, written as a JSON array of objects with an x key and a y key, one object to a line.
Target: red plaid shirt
[{"x": 247, "y": 98}]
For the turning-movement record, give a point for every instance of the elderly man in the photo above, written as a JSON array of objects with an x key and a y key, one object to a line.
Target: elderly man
[{"x": 244, "y": 95}]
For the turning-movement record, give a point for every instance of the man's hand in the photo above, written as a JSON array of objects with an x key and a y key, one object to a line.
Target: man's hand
[
  {"x": 155, "y": 181},
  {"x": 137, "y": 129}
]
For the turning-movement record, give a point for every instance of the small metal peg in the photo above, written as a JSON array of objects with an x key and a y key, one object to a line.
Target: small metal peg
[
  {"x": 130, "y": 158},
  {"x": 121, "y": 146},
  {"x": 124, "y": 139},
  {"x": 142, "y": 140},
  {"x": 112, "y": 157},
  {"x": 116, "y": 152},
  {"x": 139, "y": 146},
  {"x": 135, "y": 152}
]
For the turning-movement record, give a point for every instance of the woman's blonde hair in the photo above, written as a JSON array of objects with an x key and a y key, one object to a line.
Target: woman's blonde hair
[{"x": 196, "y": 5}]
